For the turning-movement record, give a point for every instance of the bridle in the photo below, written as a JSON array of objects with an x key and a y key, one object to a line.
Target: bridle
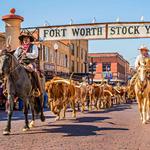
[{"x": 11, "y": 69}]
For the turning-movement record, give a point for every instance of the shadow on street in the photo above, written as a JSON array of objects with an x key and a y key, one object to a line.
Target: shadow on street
[{"x": 73, "y": 130}]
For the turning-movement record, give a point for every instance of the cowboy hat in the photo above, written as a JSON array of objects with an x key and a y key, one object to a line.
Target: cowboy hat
[
  {"x": 26, "y": 35},
  {"x": 143, "y": 47}
]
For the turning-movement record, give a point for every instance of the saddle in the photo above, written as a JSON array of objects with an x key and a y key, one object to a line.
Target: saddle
[{"x": 35, "y": 79}]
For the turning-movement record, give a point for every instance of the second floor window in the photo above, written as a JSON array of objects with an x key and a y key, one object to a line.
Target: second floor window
[
  {"x": 106, "y": 67},
  {"x": 72, "y": 48}
]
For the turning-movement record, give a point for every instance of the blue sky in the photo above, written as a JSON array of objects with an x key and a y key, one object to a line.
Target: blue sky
[{"x": 59, "y": 12}]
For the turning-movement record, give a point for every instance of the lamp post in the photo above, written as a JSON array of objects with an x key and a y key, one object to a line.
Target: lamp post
[
  {"x": 92, "y": 70},
  {"x": 108, "y": 75},
  {"x": 55, "y": 48},
  {"x": 85, "y": 65}
]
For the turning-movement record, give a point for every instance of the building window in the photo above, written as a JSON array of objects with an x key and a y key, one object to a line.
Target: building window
[
  {"x": 106, "y": 67},
  {"x": 82, "y": 67},
  {"x": 72, "y": 47},
  {"x": 51, "y": 56},
  {"x": 85, "y": 57},
  {"x": 78, "y": 51},
  {"x": 58, "y": 57},
  {"x": 46, "y": 54},
  {"x": 78, "y": 67},
  {"x": 72, "y": 66},
  {"x": 81, "y": 53},
  {"x": 92, "y": 67},
  {"x": 66, "y": 61},
  {"x": 62, "y": 59}
]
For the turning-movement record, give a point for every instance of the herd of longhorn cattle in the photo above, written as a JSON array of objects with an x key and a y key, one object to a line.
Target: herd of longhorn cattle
[{"x": 63, "y": 93}]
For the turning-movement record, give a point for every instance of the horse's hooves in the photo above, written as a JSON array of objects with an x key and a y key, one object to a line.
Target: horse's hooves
[
  {"x": 144, "y": 122},
  {"x": 6, "y": 132},
  {"x": 74, "y": 117},
  {"x": 57, "y": 118},
  {"x": 43, "y": 118},
  {"x": 25, "y": 129},
  {"x": 31, "y": 125}
]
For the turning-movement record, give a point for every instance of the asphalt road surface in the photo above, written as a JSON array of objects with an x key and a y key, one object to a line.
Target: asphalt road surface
[{"x": 118, "y": 128}]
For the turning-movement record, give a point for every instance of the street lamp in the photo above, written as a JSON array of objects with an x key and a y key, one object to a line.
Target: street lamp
[
  {"x": 85, "y": 65},
  {"x": 92, "y": 69},
  {"x": 55, "y": 48}
]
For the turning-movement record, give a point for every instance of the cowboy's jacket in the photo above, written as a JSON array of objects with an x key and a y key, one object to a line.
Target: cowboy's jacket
[
  {"x": 32, "y": 53},
  {"x": 138, "y": 58}
]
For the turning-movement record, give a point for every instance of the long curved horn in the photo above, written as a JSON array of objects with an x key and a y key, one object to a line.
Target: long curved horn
[
  {"x": 71, "y": 77},
  {"x": 108, "y": 92},
  {"x": 62, "y": 81}
]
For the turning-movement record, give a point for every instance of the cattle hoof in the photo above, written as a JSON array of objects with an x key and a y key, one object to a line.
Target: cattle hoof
[
  {"x": 6, "y": 132},
  {"x": 144, "y": 122},
  {"x": 148, "y": 118},
  {"x": 74, "y": 117},
  {"x": 63, "y": 118},
  {"x": 32, "y": 124},
  {"x": 57, "y": 118}
]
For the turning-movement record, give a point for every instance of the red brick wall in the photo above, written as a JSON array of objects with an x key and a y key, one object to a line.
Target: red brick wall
[
  {"x": 99, "y": 67},
  {"x": 113, "y": 67}
]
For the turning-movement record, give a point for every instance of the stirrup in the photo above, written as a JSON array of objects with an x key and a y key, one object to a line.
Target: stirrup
[{"x": 36, "y": 92}]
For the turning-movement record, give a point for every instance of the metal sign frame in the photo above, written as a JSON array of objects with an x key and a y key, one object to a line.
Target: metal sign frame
[{"x": 36, "y": 30}]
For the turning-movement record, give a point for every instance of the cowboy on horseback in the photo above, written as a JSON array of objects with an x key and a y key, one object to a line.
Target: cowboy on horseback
[
  {"x": 143, "y": 54},
  {"x": 27, "y": 54},
  {"x": 19, "y": 82}
]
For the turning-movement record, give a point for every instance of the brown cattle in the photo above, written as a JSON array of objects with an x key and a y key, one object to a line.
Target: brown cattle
[
  {"x": 95, "y": 92},
  {"x": 81, "y": 94},
  {"x": 61, "y": 92}
]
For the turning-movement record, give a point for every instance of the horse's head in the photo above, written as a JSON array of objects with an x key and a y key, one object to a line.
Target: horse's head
[
  {"x": 5, "y": 62},
  {"x": 143, "y": 69}
]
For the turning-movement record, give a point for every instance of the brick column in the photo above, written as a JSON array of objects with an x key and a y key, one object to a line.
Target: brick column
[{"x": 12, "y": 27}]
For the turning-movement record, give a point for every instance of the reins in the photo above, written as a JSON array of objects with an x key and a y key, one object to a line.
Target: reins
[{"x": 12, "y": 69}]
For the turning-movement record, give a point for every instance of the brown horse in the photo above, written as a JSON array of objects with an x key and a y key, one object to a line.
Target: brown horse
[{"x": 18, "y": 84}]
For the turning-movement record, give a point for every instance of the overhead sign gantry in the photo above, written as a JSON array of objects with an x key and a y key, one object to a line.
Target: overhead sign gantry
[{"x": 117, "y": 30}]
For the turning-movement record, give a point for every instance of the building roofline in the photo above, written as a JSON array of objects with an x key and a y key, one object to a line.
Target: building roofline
[{"x": 113, "y": 53}]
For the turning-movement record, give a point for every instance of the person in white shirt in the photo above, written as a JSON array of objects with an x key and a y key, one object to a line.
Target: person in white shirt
[{"x": 143, "y": 54}]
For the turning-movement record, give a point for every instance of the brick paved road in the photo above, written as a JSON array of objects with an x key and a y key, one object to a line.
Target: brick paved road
[{"x": 118, "y": 128}]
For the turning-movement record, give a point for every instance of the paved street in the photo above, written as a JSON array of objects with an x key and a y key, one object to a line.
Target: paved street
[{"x": 118, "y": 128}]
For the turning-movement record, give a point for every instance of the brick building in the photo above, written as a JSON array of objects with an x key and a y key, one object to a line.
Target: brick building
[
  {"x": 69, "y": 57},
  {"x": 108, "y": 66}
]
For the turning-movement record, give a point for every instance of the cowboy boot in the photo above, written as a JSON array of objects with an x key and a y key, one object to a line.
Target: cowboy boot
[{"x": 37, "y": 85}]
